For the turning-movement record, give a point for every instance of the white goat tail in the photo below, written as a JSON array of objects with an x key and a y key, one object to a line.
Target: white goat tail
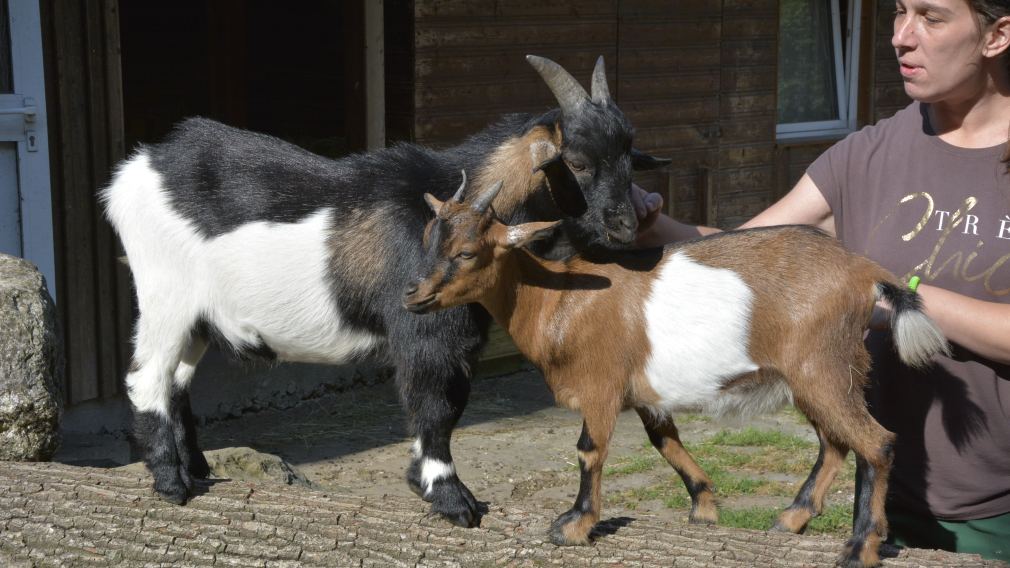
[{"x": 916, "y": 337}]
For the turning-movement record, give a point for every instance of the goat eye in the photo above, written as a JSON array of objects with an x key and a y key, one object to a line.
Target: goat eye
[
  {"x": 576, "y": 165},
  {"x": 466, "y": 255}
]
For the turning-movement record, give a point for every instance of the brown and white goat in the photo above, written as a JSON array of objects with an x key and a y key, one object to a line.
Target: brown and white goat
[{"x": 735, "y": 324}]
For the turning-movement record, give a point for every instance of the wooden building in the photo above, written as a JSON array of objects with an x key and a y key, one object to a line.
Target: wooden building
[{"x": 701, "y": 80}]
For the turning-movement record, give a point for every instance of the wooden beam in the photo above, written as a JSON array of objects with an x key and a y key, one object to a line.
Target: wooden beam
[{"x": 375, "y": 75}]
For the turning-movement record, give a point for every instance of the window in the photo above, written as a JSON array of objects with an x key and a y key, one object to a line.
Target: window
[{"x": 817, "y": 70}]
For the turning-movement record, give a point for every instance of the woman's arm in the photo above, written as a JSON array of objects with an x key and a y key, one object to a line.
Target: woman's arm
[
  {"x": 979, "y": 326},
  {"x": 803, "y": 205}
]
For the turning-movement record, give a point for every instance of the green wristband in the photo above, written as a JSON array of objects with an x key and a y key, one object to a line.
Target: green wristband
[{"x": 913, "y": 283}]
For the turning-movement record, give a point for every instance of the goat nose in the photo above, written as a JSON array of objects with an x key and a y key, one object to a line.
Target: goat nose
[{"x": 411, "y": 289}]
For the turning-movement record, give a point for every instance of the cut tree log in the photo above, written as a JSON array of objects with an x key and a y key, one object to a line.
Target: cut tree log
[{"x": 60, "y": 515}]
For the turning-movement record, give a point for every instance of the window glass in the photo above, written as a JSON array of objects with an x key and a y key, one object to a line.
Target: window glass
[
  {"x": 818, "y": 60},
  {"x": 808, "y": 91}
]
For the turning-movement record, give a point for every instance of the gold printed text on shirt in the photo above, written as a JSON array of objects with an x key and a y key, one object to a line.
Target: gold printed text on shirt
[
  {"x": 926, "y": 216},
  {"x": 929, "y": 267}
]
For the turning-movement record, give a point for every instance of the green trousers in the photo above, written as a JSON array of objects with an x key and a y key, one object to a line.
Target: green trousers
[{"x": 988, "y": 537}]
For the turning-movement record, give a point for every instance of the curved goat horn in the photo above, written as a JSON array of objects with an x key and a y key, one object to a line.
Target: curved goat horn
[
  {"x": 483, "y": 201},
  {"x": 569, "y": 93},
  {"x": 601, "y": 93},
  {"x": 458, "y": 198}
]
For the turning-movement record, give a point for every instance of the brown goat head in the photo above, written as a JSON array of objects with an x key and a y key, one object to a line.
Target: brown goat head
[{"x": 465, "y": 247}]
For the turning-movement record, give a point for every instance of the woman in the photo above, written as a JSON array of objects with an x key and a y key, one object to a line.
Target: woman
[{"x": 927, "y": 193}]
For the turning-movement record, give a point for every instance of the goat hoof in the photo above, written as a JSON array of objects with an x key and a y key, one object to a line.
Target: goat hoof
[
  {"x": 573, "y": 528},
  {"x": 793, "y": 521},
  {"x": 858, "y": 555},
  {"x": 177, "y": 494},
  {"x": 703, "y": 517},
  {"x": 453, "y": 501},
  {"x": 172, "y": 483},
  {"x": 701, "y": 520}
]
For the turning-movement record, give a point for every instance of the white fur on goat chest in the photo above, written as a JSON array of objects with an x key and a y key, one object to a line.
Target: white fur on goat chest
[
  {"x": 261, "y": 283},
  {"x": 698, "y": 324}
]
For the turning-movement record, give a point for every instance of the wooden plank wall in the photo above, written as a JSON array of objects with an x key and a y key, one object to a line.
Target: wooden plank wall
[
  {"x": 84, "y": 89},
  {"x": 744, "y": 183},
  {"x": 697, "y": 80},
  {"x": 669, "y": 84},
  {"x": 888, "y": 89},
  {"x": 469, "y": 65},
  {"x": 792, "y": 161}
]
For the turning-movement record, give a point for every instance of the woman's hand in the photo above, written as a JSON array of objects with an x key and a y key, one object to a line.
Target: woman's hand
[{"x": 647, "y": 206}]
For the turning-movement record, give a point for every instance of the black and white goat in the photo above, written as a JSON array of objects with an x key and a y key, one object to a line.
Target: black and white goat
[
  {"x": 279, "y": 252},
  {"x": 738, "y": 323}
]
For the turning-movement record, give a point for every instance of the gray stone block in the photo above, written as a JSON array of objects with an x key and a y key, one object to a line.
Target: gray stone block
[{"x": 31, "y": 364}]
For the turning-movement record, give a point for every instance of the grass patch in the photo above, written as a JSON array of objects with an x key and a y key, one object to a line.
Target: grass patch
[
  {"x": 757, "y": 518},
  {"x": 834, "y": 519},
  {"x": 634, "y": 464},
  {"x": 730, "y": 484},
  {"x": 759, "y": 438}
]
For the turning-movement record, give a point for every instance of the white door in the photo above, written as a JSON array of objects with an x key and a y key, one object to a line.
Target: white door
[{"x": 26, "y": 213}]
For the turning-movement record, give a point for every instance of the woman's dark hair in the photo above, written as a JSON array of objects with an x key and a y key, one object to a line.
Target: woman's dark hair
[{"x": 988, "y": 12}]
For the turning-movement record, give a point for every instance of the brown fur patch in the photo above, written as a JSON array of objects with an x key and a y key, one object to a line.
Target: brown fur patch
[
  {"x": 513, "y": 162},
  {"x": 554, "y": 316},
  {"x": 359, "y": 241}
]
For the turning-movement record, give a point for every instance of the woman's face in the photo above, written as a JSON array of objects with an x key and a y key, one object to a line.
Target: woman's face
[{"x": 939, "y": 48}]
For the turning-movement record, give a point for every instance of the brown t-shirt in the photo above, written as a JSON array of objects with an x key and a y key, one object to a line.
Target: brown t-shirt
[{"x": 920, "y": 206}]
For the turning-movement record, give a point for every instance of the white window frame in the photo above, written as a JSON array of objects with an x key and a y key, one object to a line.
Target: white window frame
[{"x": 846, "y": 80}]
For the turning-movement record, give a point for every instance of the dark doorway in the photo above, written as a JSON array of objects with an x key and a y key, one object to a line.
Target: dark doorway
[{"x": 292, "y": 71}]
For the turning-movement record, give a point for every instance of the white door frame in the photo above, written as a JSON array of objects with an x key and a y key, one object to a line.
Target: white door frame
[{"x": 33, "y": 159}]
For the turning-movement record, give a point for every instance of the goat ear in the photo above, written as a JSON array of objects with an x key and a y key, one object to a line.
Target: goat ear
[
  {"x": 521, "y": 235},
  {"x": 433, "y": 202},
  {"x": 541, "y": 151},
  {"x": 564, "y": 187},
  {"x": 641, "y": 161}
]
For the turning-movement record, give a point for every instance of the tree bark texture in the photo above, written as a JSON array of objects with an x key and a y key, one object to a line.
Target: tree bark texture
[{"x": 59, "y": 515}]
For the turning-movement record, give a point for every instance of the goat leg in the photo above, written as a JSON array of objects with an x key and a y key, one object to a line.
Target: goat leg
[
  {"x": 665, "y": 438},
  {"x": 575, "y": 526}
]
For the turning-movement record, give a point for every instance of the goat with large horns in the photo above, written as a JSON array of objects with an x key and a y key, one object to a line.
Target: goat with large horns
[{"x": 274, "y": 251}]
